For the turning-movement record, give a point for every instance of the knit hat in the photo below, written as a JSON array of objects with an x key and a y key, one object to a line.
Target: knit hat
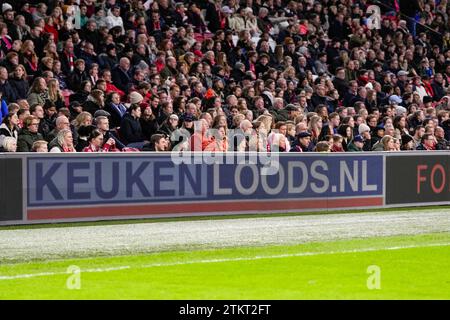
[
  {"x": 399, "y": 110},
  {"x": 6, "y": 7},
  {"x": 363, "y": 128},
  {"x": 136, "y": 97}
]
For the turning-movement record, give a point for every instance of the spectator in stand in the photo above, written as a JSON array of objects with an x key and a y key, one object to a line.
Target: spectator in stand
[
  {"x": 29, "y": 134},
  {"x": 40, "y": 146},
  {"x": 63, "y": 142},
  {"x": 96, "y": 143},
  {"x": 291, "y": 60},
  {"x": 130, "y": 128},
  {"x": 103, "y": 125},
  {"x": 158, "y": 143},
  {"x": 9, "y": 145},
  {"x": 428, "y": 142},
  {"x": 9, "y": 128}
]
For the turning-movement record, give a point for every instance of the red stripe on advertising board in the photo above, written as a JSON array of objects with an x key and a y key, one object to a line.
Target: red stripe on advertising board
[{"x": 153, "y": 209}]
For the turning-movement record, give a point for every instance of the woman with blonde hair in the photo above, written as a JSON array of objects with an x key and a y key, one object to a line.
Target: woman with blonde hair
[
  {"x": 55, "y": 94},
  {"x": 83, "y": 119},
  {"x": 237, "y": 119},
  {"x": 46, "y": 64},
  {"x": 5, "y": 40},
  {"x": 266, "y": 120},
  {"x": 22, "y": 29},
  {"x": 50, "y": 50},
  {"x": 290, "y": 74},
  {"x": 64, "y": 142},
  {"x": 9, "y": 144},
  {"x": 314, "y": 127},
  {"x": 388, "y": 143},
  {"x": 278, "y": 143},
  {"x": 38, "y": 93},
  {"x": 58, "y": 18},
  {"x": 30, "y": 58},
  {"x": 95, "y": 101},
  {"x": 300, "y": 118}
]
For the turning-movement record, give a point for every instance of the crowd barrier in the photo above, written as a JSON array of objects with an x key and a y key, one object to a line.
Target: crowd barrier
[{"x": 48, "y": 188}]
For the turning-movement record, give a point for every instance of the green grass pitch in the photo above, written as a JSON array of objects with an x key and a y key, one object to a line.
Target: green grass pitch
[{"x": 401, "y": 267}]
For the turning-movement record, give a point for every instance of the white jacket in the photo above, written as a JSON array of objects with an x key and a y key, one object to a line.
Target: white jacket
[
  {"x": 238, "y": 24},
  {"x": 13, "y": 134},
  {"x": 113, "y": 21}
]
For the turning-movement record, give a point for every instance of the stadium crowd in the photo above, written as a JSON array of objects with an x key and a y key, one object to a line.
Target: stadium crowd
[{"x": 224, "y": 75}]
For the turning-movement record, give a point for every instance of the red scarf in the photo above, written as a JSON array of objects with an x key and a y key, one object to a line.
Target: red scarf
[
  {"x": 70, "y": 60},
  {"x": 8, "y": 43}
]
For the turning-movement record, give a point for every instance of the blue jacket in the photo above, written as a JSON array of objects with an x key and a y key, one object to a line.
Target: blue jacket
[{"x": 3, "y": 110}]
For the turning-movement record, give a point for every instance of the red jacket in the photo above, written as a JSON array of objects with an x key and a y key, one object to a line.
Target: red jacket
[
  {"x": 112, "y": 88},
  {"x": 106, "y": 148},
  {"x": 53, "y": 30}
]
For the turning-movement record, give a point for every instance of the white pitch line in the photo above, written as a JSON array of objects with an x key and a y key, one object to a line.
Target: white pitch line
[{"x": 168, "y": 264}]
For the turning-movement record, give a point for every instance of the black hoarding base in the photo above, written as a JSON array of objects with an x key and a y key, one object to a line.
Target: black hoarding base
[{"x": 242, "y": 309}]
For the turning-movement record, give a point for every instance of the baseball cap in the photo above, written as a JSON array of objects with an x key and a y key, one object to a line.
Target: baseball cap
[
  {"x": 226, "y": 9},
  {"x": 291, "y": 107},
  {"x": 303, "y": 134},
  {"x": 358, "y": 138},
  {"x": 188, "y": 118},
  {"x": 103, "y": 113},
  {"x": 394, "y": 99}
]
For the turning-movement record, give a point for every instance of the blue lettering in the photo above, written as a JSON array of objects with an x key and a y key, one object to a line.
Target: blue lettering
[
  {"x": 46, "y": 180},
  {"x": 134, "y": 178},
  {"x": 115, "y": 181},
  {"x": 162, "y": 177},
  {"x": 186, "y": 174},
  {"x": 72, "y": 180}
]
